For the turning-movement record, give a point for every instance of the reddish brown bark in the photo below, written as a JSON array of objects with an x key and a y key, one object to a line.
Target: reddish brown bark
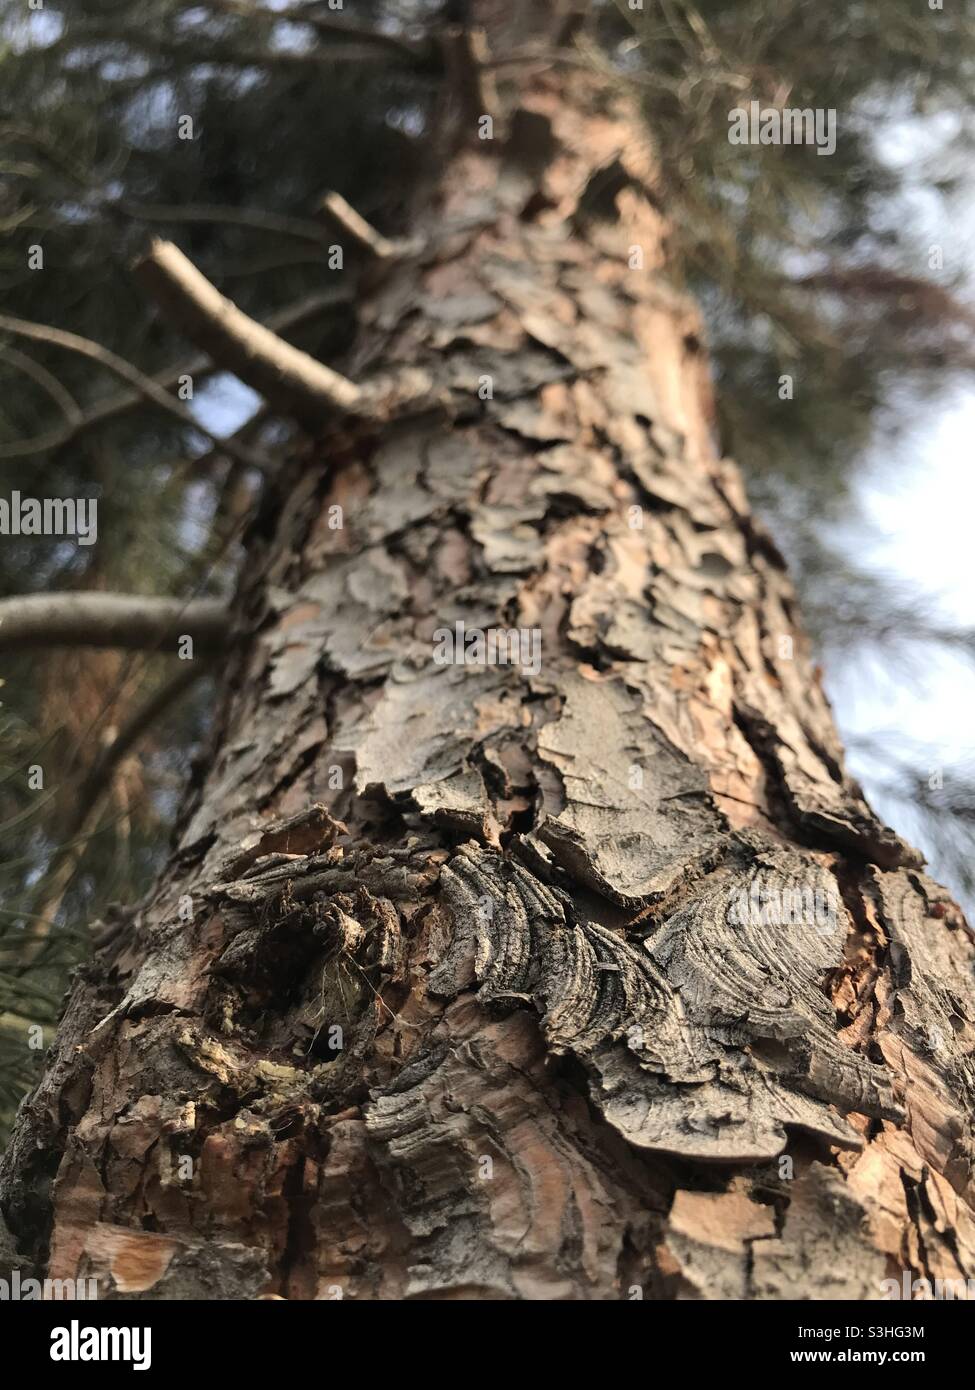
[{"x": 567, "y": 1067}]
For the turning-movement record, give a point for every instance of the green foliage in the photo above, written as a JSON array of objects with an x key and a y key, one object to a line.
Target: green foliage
[{"x": 810, "y": 264}]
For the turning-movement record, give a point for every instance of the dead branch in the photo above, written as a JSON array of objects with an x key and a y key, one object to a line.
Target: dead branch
[
  {"x": 48, "y": 383},
  {"x": 135, "y": 621},
  {"x": 198, "y": 368},
  {"x": 466, "y": 59},
  {"x": 333, "y": 205},
  {"x": 146, "y": 387},
  {"x": 209, "y": 213},
  {"x": 290, "y": 380}
]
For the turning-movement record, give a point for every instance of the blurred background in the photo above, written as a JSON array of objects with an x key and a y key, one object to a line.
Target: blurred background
[{"x": 849, "y": 273}]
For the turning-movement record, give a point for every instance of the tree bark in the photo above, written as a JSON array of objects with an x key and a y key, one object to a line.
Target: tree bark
[{"x": 599, "y": 980}]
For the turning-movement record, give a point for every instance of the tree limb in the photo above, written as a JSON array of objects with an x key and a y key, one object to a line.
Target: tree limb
[
  {"x": 294, "y": 316},
  {"x": 48, "y": 383},
  {"x": 209, "y": 213},
  {"x": 290, "y": 380},
  {"x": 333, "y": 205},
  {"x": 147, "y": 388},
  {"x": 466, "y": 54},
  {"x": 134, "y": 621}
]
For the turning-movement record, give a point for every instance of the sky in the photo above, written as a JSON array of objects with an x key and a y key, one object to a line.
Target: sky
[
  {"x": 916, "y": 501},
  {"x": 918, "y": 505}
]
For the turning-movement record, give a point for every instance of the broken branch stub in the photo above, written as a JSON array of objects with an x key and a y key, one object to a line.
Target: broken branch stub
[
  {"x": 334, "y": 207},
  {"x": 291, "y": 381}
]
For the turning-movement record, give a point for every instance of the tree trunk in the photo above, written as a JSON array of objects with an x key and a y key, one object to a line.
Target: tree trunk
[{"x": 582, "y": 978}]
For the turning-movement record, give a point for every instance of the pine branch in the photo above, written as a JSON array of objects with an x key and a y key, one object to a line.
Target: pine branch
[
  {"x": 216, "y": 213},
  {"x": 146, "y": 387},
  {"x": 48, "y": 383},
  {"x": 198, "y": 368},
  {"x": 291, "y": 381},
  {"x": 333, "y": 205},
  {"x": 135, "y": 621}
]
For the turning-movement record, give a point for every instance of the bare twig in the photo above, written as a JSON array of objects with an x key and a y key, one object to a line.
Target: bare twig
[
  {"x": 333, "y": 205},
  {"x": 56, "y": 391},
  {"x": 46, "y": 381},
  {"x": 466, "y": 60},
  {"x": 290, "y": 380},
  {"x": 197, "y": 368},
  {"x": 135, "y": 621},
  {"x": 147, "y": 388},
  {"x": 253, "y": 218}
]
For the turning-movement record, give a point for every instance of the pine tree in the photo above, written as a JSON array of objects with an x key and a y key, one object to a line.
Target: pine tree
[{"x": 583, "y": 973}]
